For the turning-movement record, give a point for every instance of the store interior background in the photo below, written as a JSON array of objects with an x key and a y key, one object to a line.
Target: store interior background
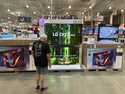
[{"x": 17, "y": 18}]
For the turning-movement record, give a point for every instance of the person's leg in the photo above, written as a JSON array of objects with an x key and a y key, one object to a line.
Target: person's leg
[
  {"x": 38, "y": 78},
  {"x": 43, "y": 78}
]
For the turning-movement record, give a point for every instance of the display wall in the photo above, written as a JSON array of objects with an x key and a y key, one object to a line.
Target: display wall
[{"x": 64, "y": 40}]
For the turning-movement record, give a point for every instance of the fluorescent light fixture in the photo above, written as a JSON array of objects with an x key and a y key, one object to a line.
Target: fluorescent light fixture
[
  {"x": 8, "y": 10},
  {"x": 67, "y": 13},
  {"x": 90, "y": 7},
  {"x": 110, "y": 8},
  {"x": 27, "y": 6},
  {"x": 34, "y": 12},
  {"x": 70, "y": 6},
  {"x": 122, "y": 10},
  {"x": 48, "y": 6},
  {"x": 82, "y": 13}
]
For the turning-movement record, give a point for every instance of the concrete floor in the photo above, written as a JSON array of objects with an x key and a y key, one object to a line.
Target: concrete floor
[{"x": 65, "y": 83}]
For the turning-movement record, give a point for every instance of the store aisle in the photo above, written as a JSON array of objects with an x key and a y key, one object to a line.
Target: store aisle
[{"x": 65, "y": 83}]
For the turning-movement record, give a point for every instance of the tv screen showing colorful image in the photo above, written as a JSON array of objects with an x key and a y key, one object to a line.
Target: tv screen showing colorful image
[
  {"x": 108, "y": 32},
  {"x": 89, "y": 30},
  {"x": 64, "y": 34},
  {"x": 13, "y": 57},
  {"x": 64, "y": 55},
  {"x": 104, "y": 57}
]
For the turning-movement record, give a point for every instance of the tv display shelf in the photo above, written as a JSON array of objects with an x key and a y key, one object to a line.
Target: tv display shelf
[{"x": 86, "y": 54}]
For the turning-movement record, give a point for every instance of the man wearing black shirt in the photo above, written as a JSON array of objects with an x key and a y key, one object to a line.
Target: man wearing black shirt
[{"x": 41, "y": 53}]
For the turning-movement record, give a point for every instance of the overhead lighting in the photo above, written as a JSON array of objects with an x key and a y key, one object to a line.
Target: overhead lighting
[
  {"x": 122, "y": 10},
  {"x": 34, "y": 12},
  {"x": 51, "y": 12},
  {"x": 8, "y": 18},
  {"x": 70, "y": 6},
  {"x": 67, "y": 13},
  {"x": 27, "y": 6},
  {"x": 90, "y": 7},
  {"x": 85, "y": 10},
  {"x": 110, "y": 8},
  {"x": 8, "y": 10},
  {"x": 82, "y": 13},
  {"x": 48, "y": 7}
]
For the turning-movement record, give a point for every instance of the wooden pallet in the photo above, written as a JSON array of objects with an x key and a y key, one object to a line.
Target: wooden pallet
[{"x": 91, "y": 70}]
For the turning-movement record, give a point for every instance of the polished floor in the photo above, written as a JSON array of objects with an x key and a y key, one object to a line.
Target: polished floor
[{"x": 65, "y": 83}]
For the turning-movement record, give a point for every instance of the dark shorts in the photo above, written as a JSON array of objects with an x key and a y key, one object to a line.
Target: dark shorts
[{"x": 41, "y": 70}]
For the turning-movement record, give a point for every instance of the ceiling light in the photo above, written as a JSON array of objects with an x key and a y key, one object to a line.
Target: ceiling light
[
  {"x": 27, "y": 6},
  {"x": 122, "y": 10},
  {"x": 8, "y": 10},
  {"x": 90, "y": 7},
  {"x": 51, "y": 12},
  {"x": 110, "y": 8},
  {"x": 67, "y": 13},
  {"x": 82, "y": 13},
  {"x": 70, "y": 6},
  {"x": 34, "y": 12},
  {"x": 48, "y": 6},
  {"x": 8, "y": 17}
]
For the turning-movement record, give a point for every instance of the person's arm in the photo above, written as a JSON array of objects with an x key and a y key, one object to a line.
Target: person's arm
[
  {"x": 48, "y": 55},
  {"x": 49, "y": 62}
]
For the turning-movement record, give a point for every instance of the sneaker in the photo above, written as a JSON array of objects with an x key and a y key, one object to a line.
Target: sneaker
[
  {"x": 38, "y": 87},
  {"x": 44, "y": 88}
]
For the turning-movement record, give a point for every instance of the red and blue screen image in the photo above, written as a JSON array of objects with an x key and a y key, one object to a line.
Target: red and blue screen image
[
  {"x": 13, "y": 57},
  {"x": 104, "y": 58}
]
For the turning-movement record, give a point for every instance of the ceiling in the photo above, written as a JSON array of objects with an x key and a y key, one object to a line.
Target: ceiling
[{"x": 37, "y": 8}]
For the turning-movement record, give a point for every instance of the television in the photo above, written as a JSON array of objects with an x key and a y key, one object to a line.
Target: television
[
  {"x": 13, "y": 57},
  {"x": 25, "y": 19},
  {"x": 108, "y": 32},
  {"x": 64, "y": 34},
  {"x": 89, "y": 30}
]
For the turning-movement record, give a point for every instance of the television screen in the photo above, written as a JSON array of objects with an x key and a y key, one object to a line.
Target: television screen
[
  {"x": 64, "y": 55},
  {"x": 108, "y": 32},
  {"x": 13, "y": 57},
  {"x": 24, "y": 19},
  {"x": 96, "y": 30},
  {"x": 64, "y": 34},
  {"x": 89, "y": 30},
  {"x": 104, "y": 57}
]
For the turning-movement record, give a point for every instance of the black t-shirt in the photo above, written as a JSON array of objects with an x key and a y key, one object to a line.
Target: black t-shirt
[{"x": 40, "y": 50}]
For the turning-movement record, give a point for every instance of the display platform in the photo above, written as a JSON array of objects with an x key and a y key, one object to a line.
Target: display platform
[
  {"x": 103, "y": 55},
  {"x": 75, "y": 67},
  {"x": 68, "y": 67}
]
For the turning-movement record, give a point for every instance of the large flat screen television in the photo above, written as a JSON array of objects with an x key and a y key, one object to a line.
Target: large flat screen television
[
  {"x": 64, "y": 34},
  {"x": 108, "y": 32}
]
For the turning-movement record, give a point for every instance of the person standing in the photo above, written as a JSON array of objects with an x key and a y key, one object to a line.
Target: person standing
[{"x": 41, "y": 53}]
